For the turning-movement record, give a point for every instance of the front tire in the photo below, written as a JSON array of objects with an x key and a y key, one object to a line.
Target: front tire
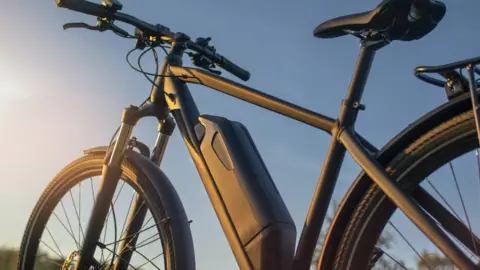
[{"x": 71, "y": 177}]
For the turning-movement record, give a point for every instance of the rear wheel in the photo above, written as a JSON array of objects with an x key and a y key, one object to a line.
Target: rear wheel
[
  {"x": 444, "y": 162},
  {"x": 54, "y": 233}
]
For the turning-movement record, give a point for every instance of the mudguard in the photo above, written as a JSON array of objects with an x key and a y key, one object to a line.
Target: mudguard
[
  {"x": 173, "y": 206},
  {"x": 362, "y": 183}
]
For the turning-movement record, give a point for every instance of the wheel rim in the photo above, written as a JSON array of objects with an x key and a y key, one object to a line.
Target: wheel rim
[{"x": 54, "y": 240}]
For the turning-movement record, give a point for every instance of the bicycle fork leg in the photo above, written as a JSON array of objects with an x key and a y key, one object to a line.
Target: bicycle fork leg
[
  {"x": 110, "y": 176},
  {"x": 404, "y": 202},
  {"x": 139, "y": 210}
]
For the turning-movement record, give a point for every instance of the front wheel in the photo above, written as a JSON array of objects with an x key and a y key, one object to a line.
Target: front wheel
[
  {"x": 441, "y": 171},
  {"x": 54, "y": 233}
]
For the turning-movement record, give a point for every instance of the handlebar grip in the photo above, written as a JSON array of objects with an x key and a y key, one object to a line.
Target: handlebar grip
[
  {"x": 234, "y": 69},
  {"x": 84, "y": 7}
]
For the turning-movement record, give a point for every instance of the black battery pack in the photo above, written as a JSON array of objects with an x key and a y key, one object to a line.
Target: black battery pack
[{"x": 254, "y": 208}]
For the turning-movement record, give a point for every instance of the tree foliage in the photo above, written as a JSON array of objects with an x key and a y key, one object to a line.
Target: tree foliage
[
  {"x": 434, "y": 261},
  {"x": 9, "y": 256}
]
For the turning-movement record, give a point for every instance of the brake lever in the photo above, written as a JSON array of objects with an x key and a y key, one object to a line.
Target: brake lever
[
  {"x": 81, "y": 25},
  {"x": 119, "y": 30},
  {"x": 101, "y": 27}
]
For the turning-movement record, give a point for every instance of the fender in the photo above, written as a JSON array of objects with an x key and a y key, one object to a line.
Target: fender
[
  {"x": 171, "y": 201},
  {"x": 362, "y": 183}
]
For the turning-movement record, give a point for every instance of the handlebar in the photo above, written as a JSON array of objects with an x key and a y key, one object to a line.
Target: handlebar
[
  {"x": 94, "y": 9},
  {"x": 84, "y": 7},
  {"x": 158, "y": 31}
]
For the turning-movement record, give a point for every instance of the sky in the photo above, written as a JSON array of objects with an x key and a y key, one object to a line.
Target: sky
[{"x": 63, "y": 91}]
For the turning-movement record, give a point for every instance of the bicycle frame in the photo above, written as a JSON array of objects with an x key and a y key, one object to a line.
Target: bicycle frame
[
  {"x": 174, "y": 78},
  {"x": 344, "y": 139}
]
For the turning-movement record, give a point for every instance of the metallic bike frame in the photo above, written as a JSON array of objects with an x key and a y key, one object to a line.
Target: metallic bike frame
[
  {"x": 344, "y": 138},
  {"x": 171, "y": 94}
]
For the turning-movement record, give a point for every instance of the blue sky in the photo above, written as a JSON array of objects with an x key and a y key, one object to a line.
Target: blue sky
[{"x": 67, "y": 90}]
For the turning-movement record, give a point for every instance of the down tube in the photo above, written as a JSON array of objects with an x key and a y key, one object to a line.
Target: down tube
[
  {"x": 404, "y": 202},
  {"x": 186, "y": 116}
]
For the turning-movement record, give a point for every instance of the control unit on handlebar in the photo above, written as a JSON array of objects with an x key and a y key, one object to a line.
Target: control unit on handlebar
[
  {"x": 112, "y": 4},
  {"x": 205, "y": 56}
]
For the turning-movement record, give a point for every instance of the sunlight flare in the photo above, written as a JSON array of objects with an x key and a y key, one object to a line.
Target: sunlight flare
[{"x": 10, "y": 88}]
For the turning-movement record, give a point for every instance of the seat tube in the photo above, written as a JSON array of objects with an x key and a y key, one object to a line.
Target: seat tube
[
  {"x": 352, "y": 102},
  {"x": 333, "y": 162},
  {"x": 111, "y": 174}
]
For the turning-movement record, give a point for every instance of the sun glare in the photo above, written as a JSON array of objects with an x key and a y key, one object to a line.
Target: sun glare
[{"x": 10, "y": 90}]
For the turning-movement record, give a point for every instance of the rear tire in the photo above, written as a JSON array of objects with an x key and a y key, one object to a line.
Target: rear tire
[
  {"x": 410, "y": 167},
  {"x": 76, "y": 172}
]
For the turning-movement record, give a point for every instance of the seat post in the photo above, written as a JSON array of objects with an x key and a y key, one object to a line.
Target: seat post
[{"x": 351, "y": 104}]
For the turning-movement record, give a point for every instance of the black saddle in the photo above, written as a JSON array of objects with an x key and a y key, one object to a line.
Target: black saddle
[{"x": 397, "y": 19}]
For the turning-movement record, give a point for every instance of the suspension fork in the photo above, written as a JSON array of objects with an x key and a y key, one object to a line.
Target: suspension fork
[
  {"x": 111, "y": 174},
  {"x": 138, "y": 212}
]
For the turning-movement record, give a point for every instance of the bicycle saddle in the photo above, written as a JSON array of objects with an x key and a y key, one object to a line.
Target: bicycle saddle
[{"x": 399, "y": 19}]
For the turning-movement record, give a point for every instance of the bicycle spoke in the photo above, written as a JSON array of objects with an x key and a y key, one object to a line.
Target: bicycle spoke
[
  {"x": 463, "y": 206},
  {"x": 443, "y": 199},
  {"x": 140, "y": 246},
  {"x": 51, "y": 249},
  {"x": 149, "y": 261},
  {"x": 54, "y": 242},
  {"x": 133, "y": 236},
  {"x": 145, "y": 240},
  {"x": 53, "y": 262},
  {"x": 408, "y": 243},
  {"x": 65, "y": 227},
  {"x": 119, "y": 191},
  {"x": 126, "y": 216},
  {"x": 391, "y": 258},
  {"x": 80, "y": 229},
  {"x": 145, "y": 224},
  {"x": 115, "y": 231},
  {"x": 68, "y": 221},
  {"x": 94, "y": 200},
  {"x": 76, "y": 213},
  {"x": 460, "y": 243},
  {"x": 112, "y": 205},
  {"x": 101, "y": 258},
  {"x": 93, "y": 192},
  {"x": 116, "y": 255},
  {"x": 143, "y": 202},
  {"x": 161, "y": 221},
  {"x": 444, "y": 218},
  {"x": 110, "y": 210},
  {"x": 105, "y": 232}
]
